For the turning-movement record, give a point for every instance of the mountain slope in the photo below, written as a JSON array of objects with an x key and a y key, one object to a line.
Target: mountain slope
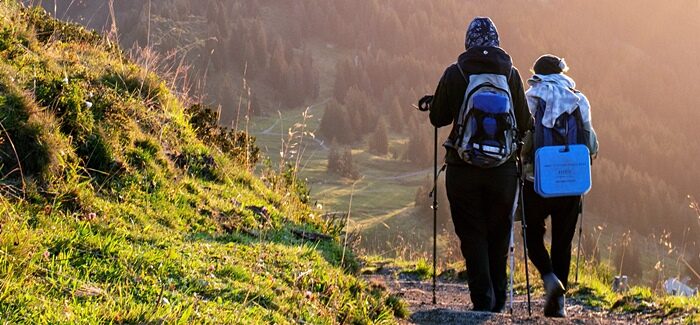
[{"x": 114, "y": 210}]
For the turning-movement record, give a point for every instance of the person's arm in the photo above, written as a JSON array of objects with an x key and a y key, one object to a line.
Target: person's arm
[
  {"x": 522, "y": 112},
  {"x": 591, "y": 139},
  {"x": 440, "y": 110},
  {"x": 590, "y": 136}
]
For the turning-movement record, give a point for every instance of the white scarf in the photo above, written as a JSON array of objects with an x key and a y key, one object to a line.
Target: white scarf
[{"x": 557, "y": 92}]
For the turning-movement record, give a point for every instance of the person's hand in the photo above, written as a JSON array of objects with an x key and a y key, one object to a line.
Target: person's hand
[
  {"x": 425, "y": 103},
  {"x": 593, "y": 157}
]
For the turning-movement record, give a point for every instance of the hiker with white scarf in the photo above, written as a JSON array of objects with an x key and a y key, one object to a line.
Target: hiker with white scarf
[
  {"x": 558, "y": 92},
  {"x": 554, "y": 92}
]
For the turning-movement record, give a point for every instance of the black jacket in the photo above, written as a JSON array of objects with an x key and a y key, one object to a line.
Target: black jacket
[{"x": 449, "y": 94}]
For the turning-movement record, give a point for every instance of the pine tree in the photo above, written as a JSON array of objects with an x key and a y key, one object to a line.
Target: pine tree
[
  {"x": 379, "y": 141},
  {"x": 334, "y": 124},
  {"x": 333, "y": 160},
  {"x": 327, "y": 127},
  {"x": 279, "y": 67},
  {"x": 419, "y": 148},
  {"x": 294, "y": 94},
  {"x": 364, "y": 114},
  {"x": 345, "y": 133},
  {"x": 395, "y": 115},
  {"x": 259, "y": 35},
  {"x": 349, "y": 169},
  {"x": 342, "y": 80},
  {"x": 342, "y": 164}
]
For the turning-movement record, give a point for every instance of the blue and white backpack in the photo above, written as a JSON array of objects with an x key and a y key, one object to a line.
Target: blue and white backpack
[
  {"x": 486, "y": 126},
  {"x": 562, "y": 159}
]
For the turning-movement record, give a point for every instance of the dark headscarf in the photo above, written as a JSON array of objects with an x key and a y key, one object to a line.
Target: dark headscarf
[{"x": 482, "y": 32}]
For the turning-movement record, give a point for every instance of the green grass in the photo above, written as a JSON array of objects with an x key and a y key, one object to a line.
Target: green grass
[
  {"x": 121, "y": 215},
  {"x": 595, "y": 290}
]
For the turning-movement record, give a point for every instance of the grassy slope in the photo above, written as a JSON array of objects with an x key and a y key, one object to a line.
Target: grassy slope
[
  {"x": 595, "y": 290},
  {"x": 108, "y": 226}
]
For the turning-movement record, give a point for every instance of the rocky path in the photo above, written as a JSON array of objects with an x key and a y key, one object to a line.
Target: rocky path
[{"x": 453, "y": 305}]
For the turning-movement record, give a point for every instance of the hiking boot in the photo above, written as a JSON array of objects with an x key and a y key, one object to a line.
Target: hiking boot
[
  {"x": 463, "y": 276},
  {"x": 554, "y": 289},
  {"x": 558, "y": 308}
]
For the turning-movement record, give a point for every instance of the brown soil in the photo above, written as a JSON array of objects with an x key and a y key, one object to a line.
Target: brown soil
[{"x": 453, "y": 304}]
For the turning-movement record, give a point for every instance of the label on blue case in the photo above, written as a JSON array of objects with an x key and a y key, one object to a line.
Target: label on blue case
[{"x": 559, "y": 172}]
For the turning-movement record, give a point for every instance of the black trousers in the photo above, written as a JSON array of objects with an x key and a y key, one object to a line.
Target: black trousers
[
  {"x": 564, "y": 212},
  {"x": 481, "y": 201}
]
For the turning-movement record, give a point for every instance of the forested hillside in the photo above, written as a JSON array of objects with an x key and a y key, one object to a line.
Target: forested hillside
[{"x": 634, "y": 59}]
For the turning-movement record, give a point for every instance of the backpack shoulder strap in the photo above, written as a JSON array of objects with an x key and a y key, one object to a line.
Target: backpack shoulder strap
[
  {"x": 462, "y": 73},
  {"x": 510, "y": 73}
]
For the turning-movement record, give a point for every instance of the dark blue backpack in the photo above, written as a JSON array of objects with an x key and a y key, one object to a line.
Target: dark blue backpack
[
  {"x": 562, "y": 159},
  {"x": 567, "y": 130}
]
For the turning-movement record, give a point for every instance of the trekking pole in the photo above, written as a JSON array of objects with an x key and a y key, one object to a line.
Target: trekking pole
[
  {"x": 524, "y": 224},
  {"x": 511, "y": 249},
  {"x": 423, "y": 106},
  {"x": 435, "y": 208},
  {"x": 580, "y": 230}
]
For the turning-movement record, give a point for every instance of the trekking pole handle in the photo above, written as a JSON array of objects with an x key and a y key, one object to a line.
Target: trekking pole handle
[{"x": 425, "y": 103}]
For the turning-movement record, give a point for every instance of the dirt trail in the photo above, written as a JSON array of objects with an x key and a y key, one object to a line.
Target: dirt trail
[{"x": 454, "y": 303}]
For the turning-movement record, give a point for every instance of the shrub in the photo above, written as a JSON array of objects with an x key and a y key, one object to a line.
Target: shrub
[
  {"x": 132, "y": 81},
  {"x": 197, "y": 162},
  {"x": 239, "y": 145},
  {"x": 67, "y": 99},
  {"x": 12, "y": 43},
  {"x": 21, "y": 139},
  {"x": 47, "y": 28}
]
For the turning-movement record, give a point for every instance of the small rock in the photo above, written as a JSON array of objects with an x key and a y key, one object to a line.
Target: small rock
[
  {"x": 88, "y": 291},
  {"x": 308, "y": 295},
  {"x": 88, "y": 216}
]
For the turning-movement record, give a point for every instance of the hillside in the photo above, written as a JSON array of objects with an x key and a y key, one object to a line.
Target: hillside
[{"x": 124, "y": 203}]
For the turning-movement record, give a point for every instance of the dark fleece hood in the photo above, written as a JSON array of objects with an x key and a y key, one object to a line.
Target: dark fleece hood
[{"x": 477, "y": 60}]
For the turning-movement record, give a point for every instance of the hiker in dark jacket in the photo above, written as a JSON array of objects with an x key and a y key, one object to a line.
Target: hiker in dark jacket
[
  {"x": 481, "y": 199},
  {"x": 554, "y": 92}
]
